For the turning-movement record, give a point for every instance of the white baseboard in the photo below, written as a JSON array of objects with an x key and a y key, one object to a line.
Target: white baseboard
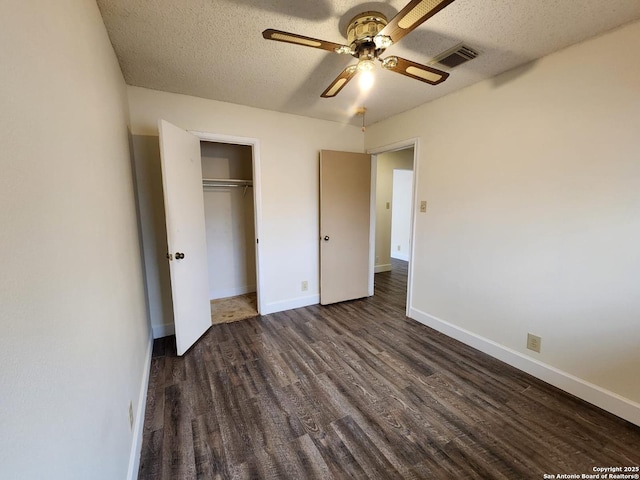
[
  {"x": 231, "y": 292},
  {"x": 299, "y": 302},
  {"x": 598, "y": 396},
  {"x": 382, "y": 268},
  {"x": 400, "y": 256},
  {"x": 138, "y": 427},
  {"x": 165, "y": 330}
]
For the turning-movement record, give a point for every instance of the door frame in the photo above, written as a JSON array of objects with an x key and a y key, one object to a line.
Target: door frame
[
  {"x": 374, "y": 152},
  {"x": 254, "y": 143}
]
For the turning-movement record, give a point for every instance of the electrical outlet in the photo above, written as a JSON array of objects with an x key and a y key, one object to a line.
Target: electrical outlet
[
  {"x": 423, "y": 206},
  {"x": 399, "y": 248},
  {"x": 131, "y": 414},
  {"x": 304, "y": 286},
  {"x": 388, "y": 205},
  {"x": 534, "y": 342}
]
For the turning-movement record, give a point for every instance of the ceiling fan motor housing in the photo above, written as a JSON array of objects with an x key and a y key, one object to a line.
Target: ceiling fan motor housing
[{"x": 362, "y": 30}]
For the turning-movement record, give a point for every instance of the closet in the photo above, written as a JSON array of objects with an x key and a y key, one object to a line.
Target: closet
[{"x": 227, "y": 182}]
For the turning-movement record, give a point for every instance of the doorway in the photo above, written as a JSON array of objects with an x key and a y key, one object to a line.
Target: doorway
[
  {"x": 231, "y": 191},
  {"x": 393, "y": 210},
  {"x": 227, "y": 177}
]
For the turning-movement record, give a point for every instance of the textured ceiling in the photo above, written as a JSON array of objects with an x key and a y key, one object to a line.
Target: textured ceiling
[{"x": 214, "y": 48}]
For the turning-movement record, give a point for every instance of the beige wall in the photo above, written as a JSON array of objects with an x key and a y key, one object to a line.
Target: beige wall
[
  {"x": 385, "y": 164},
  {"x": 532, "y": 180},
  {"x": 75, "y": 334},
  {"x": 148, "y": 174},
  {"x": 288, "y": 176}
]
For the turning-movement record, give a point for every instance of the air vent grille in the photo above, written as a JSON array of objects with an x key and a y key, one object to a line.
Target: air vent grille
[{"x": 455, "y": 56}]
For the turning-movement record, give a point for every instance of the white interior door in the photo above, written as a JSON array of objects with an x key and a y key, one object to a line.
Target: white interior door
[
  {"x": 345, "y": 221},
  {"x": 186, "y": 237}
]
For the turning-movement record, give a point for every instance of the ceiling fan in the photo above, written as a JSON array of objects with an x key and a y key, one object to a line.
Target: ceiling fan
[{"x": 369, "y": 34}]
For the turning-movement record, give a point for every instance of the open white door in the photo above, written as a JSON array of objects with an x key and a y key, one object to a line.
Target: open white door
[
  {"x": 186, "y": 237},
  {"x": 345, "y": 219}
]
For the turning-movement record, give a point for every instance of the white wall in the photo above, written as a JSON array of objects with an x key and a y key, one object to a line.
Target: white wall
[
  {"x": 289, "y": 149},
  {"x": 75, "y": 334},
  {"x": 532, "y": 180},
  {"x": 401, "y": 214},
  {"x": 229, "y": 220},
  {"x": 148, "y": 175},
  {"x": 385, "y": 164}
]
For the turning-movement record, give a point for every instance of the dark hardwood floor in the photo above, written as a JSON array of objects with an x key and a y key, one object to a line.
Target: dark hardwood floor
[{"x": 357, "y": 390}]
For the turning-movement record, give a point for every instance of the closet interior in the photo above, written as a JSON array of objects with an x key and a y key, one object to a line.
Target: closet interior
[{"x": 227, "y": 182}]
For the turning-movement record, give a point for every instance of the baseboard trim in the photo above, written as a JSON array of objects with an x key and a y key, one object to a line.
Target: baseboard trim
[
  {"x": 136, "y": 446},
  {"x": 382, "y": 268},
  {"x": 231, "y": 292},
  {"x": 598, "y": 396},
  {"x": 400, "y": 256},
  {"x": 290, "y": 304},
  {"x": 165, "y": 330}
]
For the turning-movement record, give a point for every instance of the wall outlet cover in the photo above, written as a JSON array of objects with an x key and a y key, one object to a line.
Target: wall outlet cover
[{"x": 534, "y": 342}]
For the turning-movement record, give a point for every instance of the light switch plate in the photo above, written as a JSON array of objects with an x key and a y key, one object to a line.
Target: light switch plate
[{"x": 423, "y": 206}]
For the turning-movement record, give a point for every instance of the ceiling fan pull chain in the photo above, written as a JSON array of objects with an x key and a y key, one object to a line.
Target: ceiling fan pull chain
[{"x": 361, "y": 111}]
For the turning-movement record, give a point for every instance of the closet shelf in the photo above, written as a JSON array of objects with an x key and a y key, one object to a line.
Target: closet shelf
[{"x": 226, "y": 182}]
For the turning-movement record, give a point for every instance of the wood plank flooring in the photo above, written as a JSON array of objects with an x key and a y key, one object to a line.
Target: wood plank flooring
[{"x": 357, "y": 390}]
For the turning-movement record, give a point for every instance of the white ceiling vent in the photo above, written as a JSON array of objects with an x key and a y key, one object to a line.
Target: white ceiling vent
[{"x": 455, "y": 56}]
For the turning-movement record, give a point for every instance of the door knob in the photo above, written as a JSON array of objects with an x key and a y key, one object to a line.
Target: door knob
[
  {"x": 326, "y": 238},
  {"x": 179, "y": 256}
]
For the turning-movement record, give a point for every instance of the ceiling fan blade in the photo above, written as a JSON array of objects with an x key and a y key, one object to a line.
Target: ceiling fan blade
[
  {"x": 280, "y": 36},
  {"x": 340, "y": 81},
  {"x": 415, "y": 70},
  {"x": 412, "y": 15}
]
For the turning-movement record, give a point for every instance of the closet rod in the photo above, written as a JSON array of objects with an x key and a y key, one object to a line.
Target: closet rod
[
  {"x": 208, "y": 183},
  {"x": 226, "y": 185},
  {"x": 226, "y": 181}
]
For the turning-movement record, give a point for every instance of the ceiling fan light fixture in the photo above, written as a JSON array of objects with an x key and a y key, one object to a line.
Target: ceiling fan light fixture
[
  {"x": 382, "y": 42},
  {"x": 368, "y": 35},
  {"x": 390, "y": 62},
  {"x": 366, "y": 65},
  {"x": 343, "y": 49}
]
